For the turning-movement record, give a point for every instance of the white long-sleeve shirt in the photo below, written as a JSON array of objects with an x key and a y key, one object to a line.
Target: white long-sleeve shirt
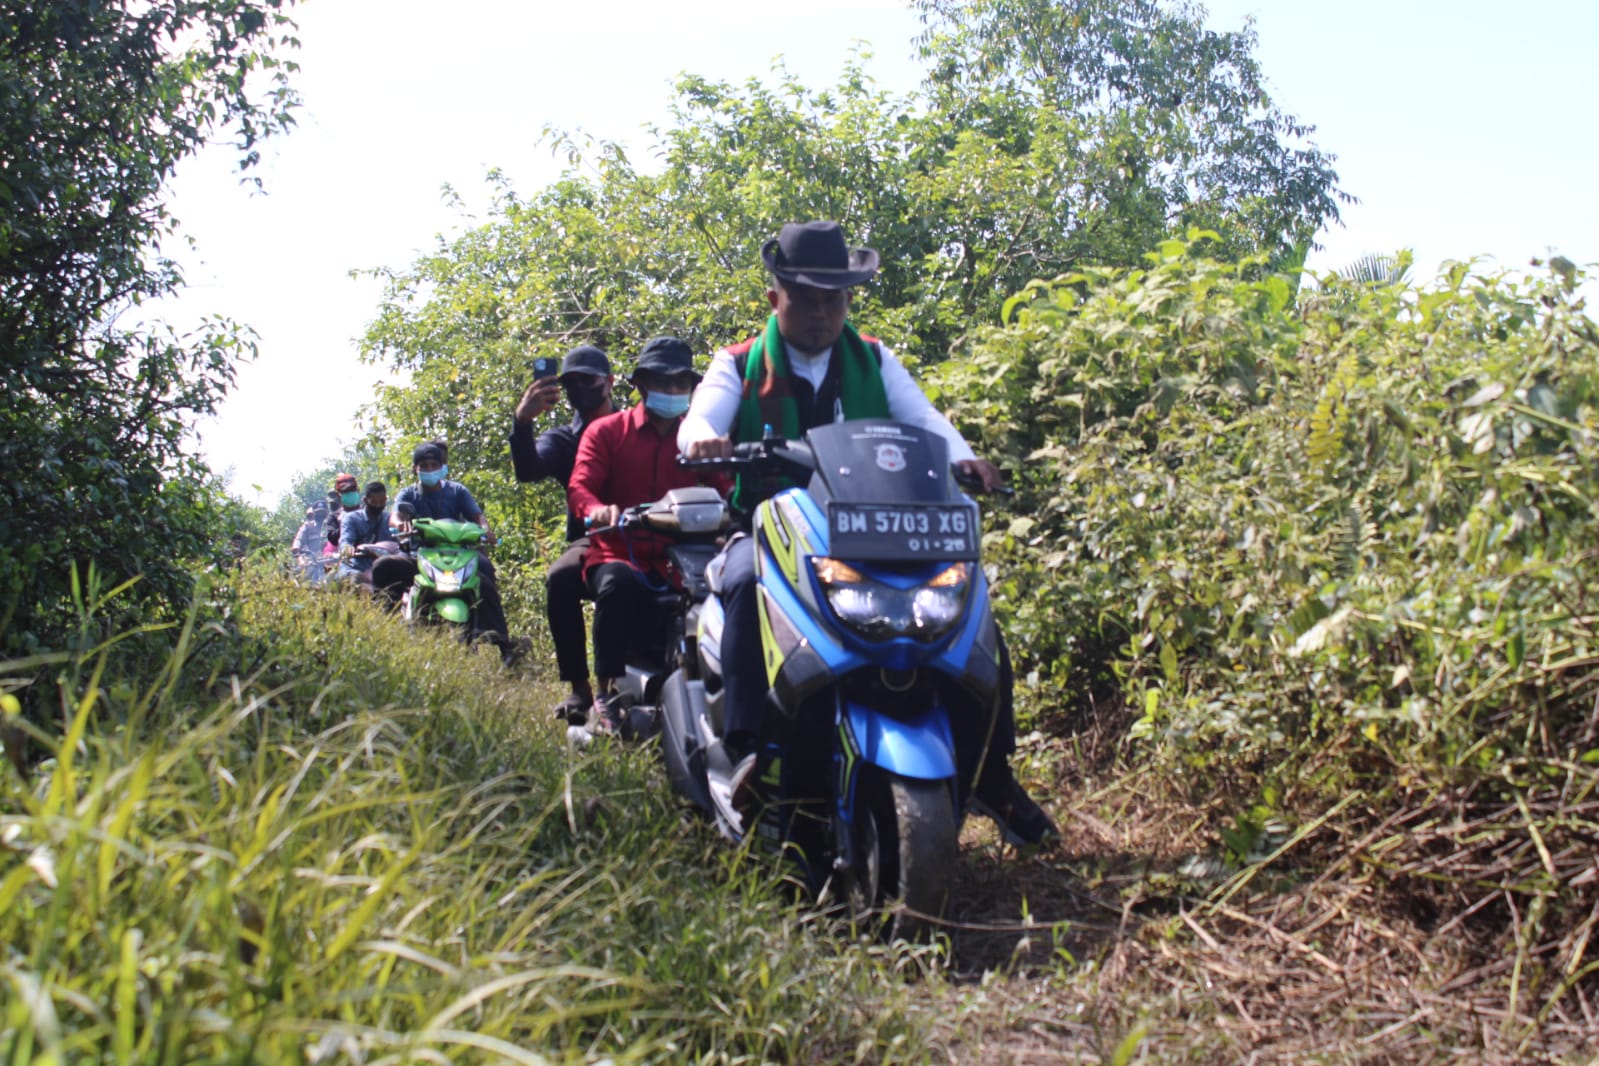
[{"x": 714, "y": 409}]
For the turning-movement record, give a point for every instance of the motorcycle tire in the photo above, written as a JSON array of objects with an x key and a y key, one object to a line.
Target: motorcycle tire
[{"x": 906, "y": 846}]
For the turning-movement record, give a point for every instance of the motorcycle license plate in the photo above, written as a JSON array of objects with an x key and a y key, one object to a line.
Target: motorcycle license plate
[{"x": 885, "y": 532}]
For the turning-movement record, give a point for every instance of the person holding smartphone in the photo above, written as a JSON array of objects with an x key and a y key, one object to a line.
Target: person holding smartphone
[{"x": 584, "y": 378}]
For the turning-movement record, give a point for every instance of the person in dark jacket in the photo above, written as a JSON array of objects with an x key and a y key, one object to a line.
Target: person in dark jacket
[
  {"x": 367, "y": 524},
  {"x": 586, "y": 382}
]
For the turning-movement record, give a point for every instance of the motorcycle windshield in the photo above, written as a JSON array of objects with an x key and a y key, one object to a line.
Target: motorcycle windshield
[
  {"x": 888, "y": 495},
  {"x": 874, "y": 461},
  {"x": 448, "y": 531},
  {"x": 455, "y": 560}
]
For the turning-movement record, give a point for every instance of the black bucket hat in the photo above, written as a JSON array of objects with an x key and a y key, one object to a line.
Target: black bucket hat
[
  {"x": 814, "y": 254},
  {"x": 665, "y": 357},
  {"x": 586, "y": 360}
]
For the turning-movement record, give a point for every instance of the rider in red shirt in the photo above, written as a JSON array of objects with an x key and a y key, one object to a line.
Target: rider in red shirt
[{"x": 626, "y": 459}]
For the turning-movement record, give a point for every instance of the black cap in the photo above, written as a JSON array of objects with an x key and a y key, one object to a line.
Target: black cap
[
  {"x": 425, "y": 452},
  {"x": 587, "y": 360},
  {"x": 814, "y": 254},
  {"x": 665, "y": 357}
]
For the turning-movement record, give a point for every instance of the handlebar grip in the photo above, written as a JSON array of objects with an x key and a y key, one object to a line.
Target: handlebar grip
[
  {"x": 973, "y": 483},
  {"x": 710, "y": 462}
]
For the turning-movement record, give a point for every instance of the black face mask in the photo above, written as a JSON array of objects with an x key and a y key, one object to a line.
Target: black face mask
[{"x": 585, "y": 398}]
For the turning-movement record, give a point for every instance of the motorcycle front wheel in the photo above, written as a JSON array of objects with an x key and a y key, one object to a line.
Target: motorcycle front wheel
[{"x": 905, "y": 848}]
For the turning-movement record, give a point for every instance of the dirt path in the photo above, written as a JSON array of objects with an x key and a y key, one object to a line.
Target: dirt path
[{"x": 1131, "y": 942}]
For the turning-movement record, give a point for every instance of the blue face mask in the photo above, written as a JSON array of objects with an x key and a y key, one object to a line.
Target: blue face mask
[
  {"x": 431, "y": 477},
  {"x": 666, "y": 404},
  {"x": 351, "y": 500}
]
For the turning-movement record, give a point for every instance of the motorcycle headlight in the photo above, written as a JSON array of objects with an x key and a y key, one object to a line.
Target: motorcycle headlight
[
  {"x": 443, "y": 580},
  {"x": 878, "y": 611}
]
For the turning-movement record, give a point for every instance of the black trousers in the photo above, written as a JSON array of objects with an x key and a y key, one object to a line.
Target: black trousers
[
  {"x": 563, "y": 609},
  {"x": 627, "y": 616},
  {"x": 393, "y": 575}
]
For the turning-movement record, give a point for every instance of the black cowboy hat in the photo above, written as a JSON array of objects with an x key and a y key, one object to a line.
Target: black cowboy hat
[{"x": 814, "y": 254}]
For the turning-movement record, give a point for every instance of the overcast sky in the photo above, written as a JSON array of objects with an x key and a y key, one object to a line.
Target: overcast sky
[{"x": 1465, "y": 128}]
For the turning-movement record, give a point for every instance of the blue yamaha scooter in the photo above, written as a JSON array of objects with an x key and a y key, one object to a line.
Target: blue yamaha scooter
[{"x": 882, "y": 660}]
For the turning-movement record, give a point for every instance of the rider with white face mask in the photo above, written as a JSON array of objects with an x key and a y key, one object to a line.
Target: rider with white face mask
[
  {"x": 435, "y": 496},
  {"x": 626, "y": 459}
]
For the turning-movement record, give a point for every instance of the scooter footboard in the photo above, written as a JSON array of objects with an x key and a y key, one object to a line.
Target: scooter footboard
[
  {"x": 680, "y": 739},
  {"x": 921, "y": 747}
]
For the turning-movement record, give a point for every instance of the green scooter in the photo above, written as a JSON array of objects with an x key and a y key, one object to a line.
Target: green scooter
[{"x": 447, "y": 586}]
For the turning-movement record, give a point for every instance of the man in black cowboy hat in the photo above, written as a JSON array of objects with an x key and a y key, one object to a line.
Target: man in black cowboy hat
[
  {"x": 809, "y": 367},
  {"x": 586, "y": 380}
]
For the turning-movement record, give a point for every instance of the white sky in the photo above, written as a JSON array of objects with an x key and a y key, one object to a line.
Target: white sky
[{"x": 1466, "y": 129}]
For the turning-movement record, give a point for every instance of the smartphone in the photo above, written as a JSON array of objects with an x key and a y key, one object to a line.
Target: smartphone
[{"x": 545, "y": 367}]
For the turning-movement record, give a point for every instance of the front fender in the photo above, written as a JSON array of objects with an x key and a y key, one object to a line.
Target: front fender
[
  {"x": 453, "y": 609},
  {"x": 922, "y": 747}
]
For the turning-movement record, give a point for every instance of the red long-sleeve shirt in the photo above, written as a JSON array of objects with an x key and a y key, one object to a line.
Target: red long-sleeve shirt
[{"x": 624, "y": 460}]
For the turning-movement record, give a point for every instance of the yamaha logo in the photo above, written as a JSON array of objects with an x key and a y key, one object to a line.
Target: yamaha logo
[{"x": 890, "y": 457}]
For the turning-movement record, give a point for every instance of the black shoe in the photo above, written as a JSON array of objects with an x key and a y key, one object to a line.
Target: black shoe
[
  {"x": 574, "y": 710},
  {"x": 1021, "y": 821},
  {"x": 514, "y": 651}
]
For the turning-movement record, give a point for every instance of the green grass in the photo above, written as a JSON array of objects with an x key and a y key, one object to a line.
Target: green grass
[{"x": 314, "y": 836}]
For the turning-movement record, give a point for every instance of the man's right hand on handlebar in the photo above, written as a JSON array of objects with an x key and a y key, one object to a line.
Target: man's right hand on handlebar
[
  {"x": 604, "y": 516},
  {"x": 709, "y": 448}
]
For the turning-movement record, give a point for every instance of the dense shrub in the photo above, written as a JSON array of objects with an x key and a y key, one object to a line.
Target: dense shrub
[
  {"x": 1333, "y": 552},
  {"x": 1371, "y": 508}
]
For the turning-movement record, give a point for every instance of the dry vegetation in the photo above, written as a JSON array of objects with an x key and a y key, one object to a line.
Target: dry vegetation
[{"x": 1403, "y": 941}]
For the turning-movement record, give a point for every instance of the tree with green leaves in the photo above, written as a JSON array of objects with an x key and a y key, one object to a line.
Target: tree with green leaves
[
  {"x": 1132, "y": 122},
  {"x": 104, "y": 98},
  {"x": 1000, "y": 170}
]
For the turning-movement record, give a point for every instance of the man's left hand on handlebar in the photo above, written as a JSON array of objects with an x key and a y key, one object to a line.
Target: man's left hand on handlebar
[{"x": 982, "y": 470}]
